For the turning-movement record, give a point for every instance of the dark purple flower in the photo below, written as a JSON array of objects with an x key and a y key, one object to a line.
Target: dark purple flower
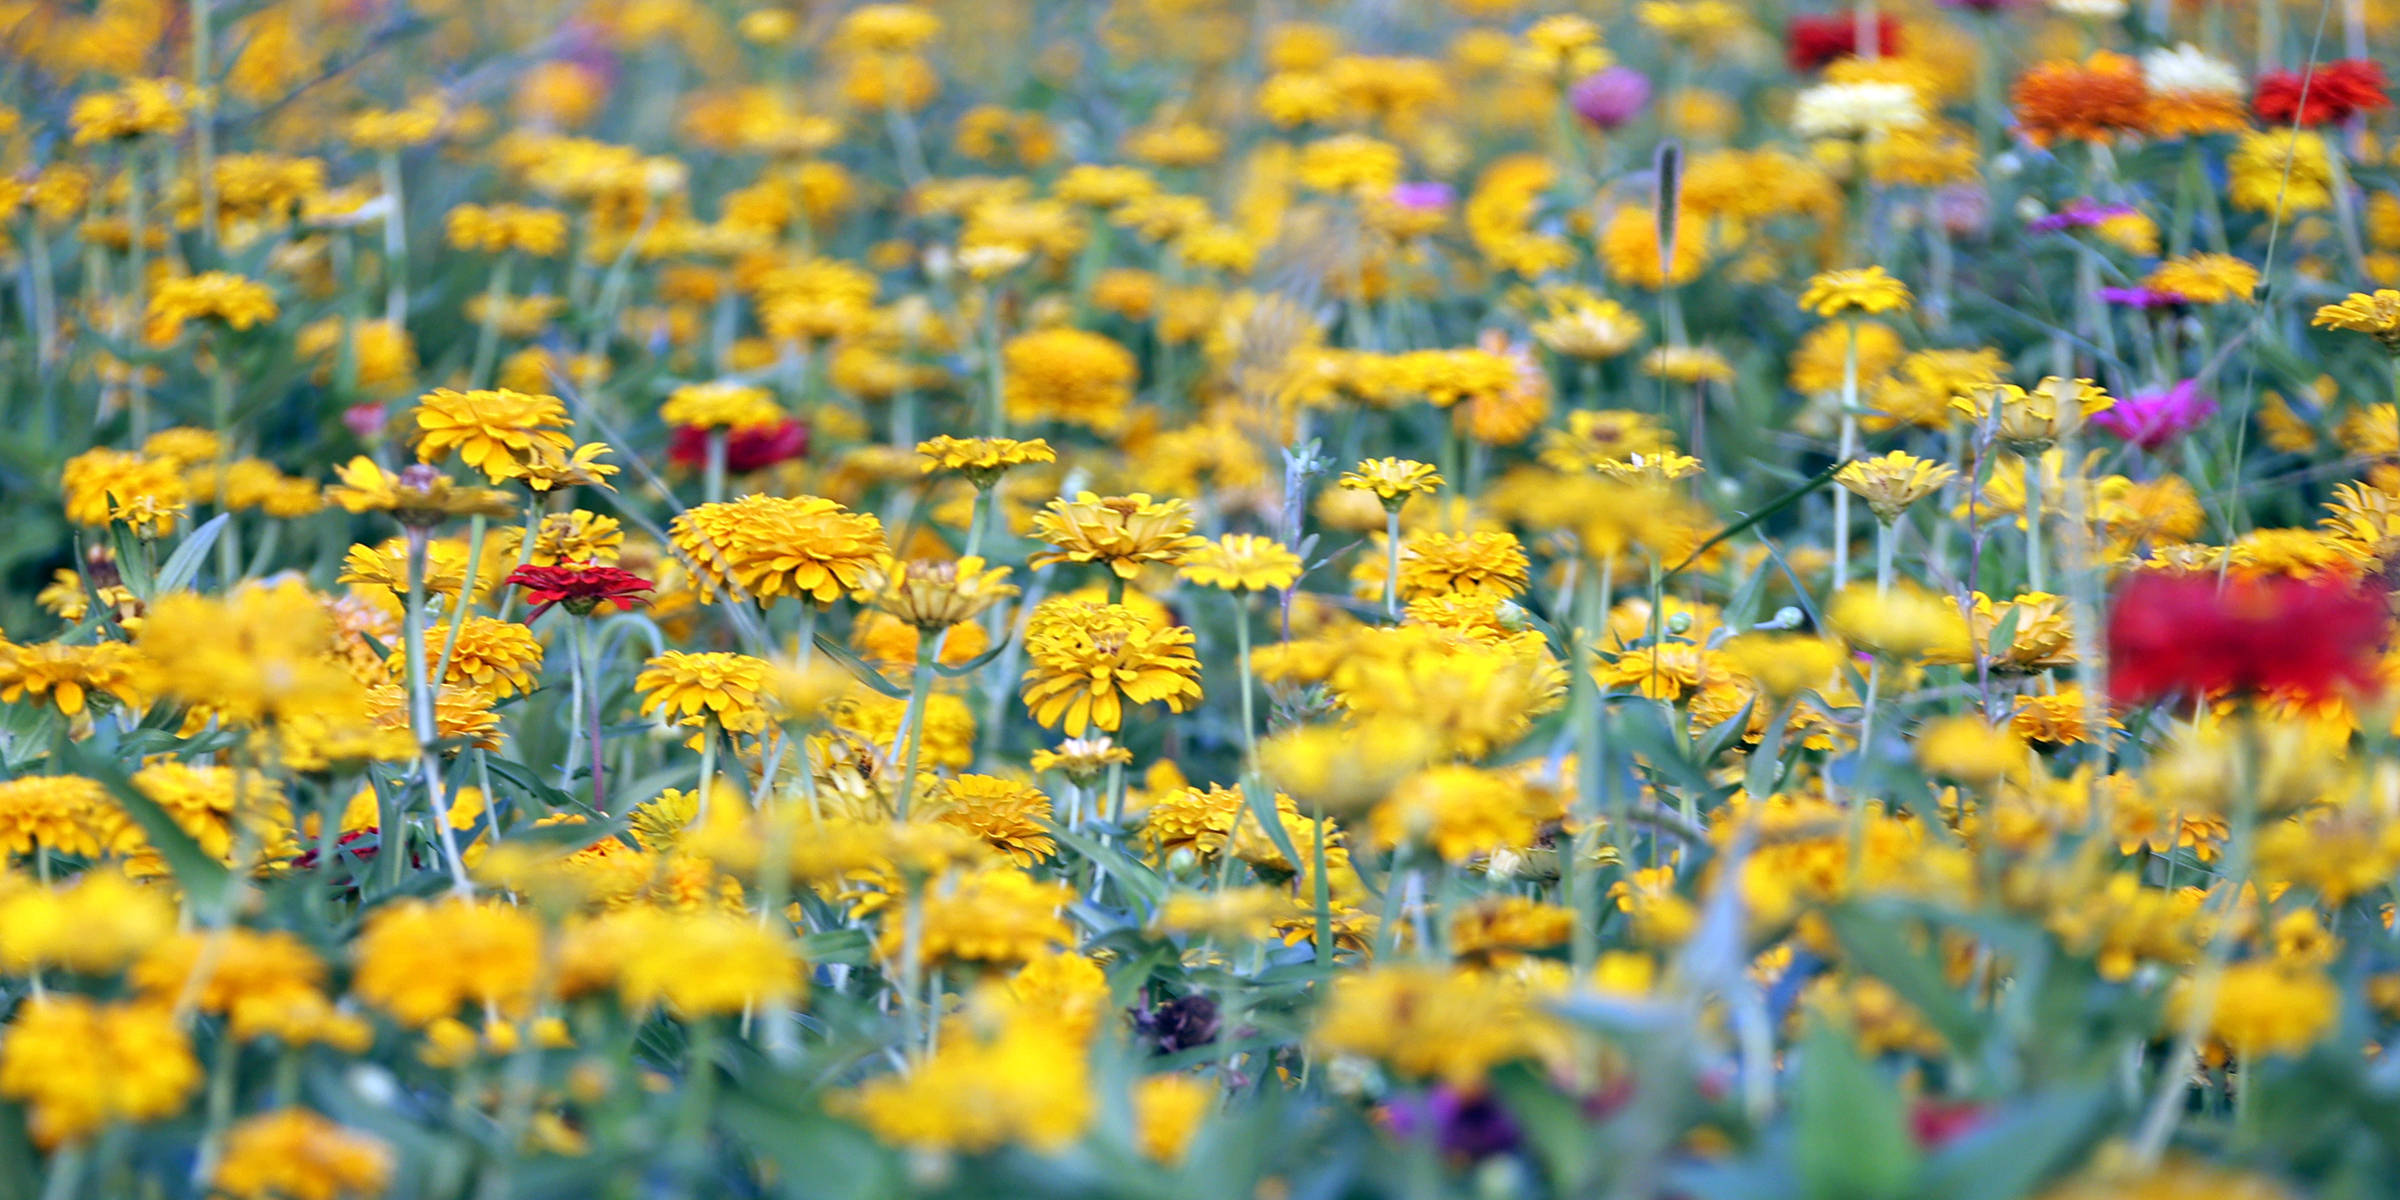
[
  {"x": 2152, "y": 419},
  {"x": 1469, "y": 1127},
  {"x": 1610, "y": 98},
  {"x": 2143, "y": 297},
  {"x": 1178, "y": 1024},
  {"x": 2079, "y": 214},
  {"x": 1424, "y": 196}
]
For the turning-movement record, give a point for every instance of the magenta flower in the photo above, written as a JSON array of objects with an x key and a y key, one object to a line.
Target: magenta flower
[
  {"x": 2152, "y": 419},
  {"x": 1610, "y": 98}
]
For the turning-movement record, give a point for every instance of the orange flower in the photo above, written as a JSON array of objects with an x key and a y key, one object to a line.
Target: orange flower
[{"x": 2091, "y": 101}]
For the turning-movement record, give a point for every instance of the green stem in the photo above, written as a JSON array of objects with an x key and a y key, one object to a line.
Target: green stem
[
  {"x": 487, "y": 333},
  {"x": 395, "y": 243},
  {"x": 1391, "y": 565},
  {"x": 422, "y": 723},
  {"x": 912, "y": 723}
]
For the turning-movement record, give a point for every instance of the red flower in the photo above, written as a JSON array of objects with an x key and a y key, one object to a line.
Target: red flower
[
  {"x": 2182, "y": 636},
  {"x": 582, "y": 587},
  {"x": 745, "y": 449},
  {"x": 1937, "y": 1123},
  {"x": 2330, "y": 95},
  {"x": 1814, "y": 41}
]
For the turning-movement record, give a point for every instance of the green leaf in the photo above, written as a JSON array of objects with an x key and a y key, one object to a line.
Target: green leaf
[
  {"x": 1554, "y": 1124},
  {"x": 2016, "y": 1150},
  {"x": 836, "y": 946},
  {"x": 1140, "y": 880},
  {"x": 1261, "y": 799},
  {"x": 1874, "y": 942},
  {"x": 1854, "y": 1137},
  {"x": 857, "y": 666},
  {"x": 184, "y": 565},
  {"x": 1778, "y": 504},
  {"x": 201, "y": 876}
]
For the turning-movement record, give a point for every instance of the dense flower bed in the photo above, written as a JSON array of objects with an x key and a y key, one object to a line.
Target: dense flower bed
[{"x": 1174, "y": 598}]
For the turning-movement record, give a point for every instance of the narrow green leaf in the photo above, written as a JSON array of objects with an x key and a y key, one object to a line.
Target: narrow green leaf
[
  {"x": 201, "y": 876},
  {"x": 1738, "y": 528},
  {"x": 1874, "y": 942},
  {"x": 857, "y": 666},
  {"x": 1854, "y": 1136},
  {"x": 1142, "y": 881},
  {"x": 183, "y": 566}
]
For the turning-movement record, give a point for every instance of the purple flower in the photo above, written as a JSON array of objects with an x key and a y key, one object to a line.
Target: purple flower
[
  {"x": 2152, "y": 419},
  {"x": 2143, "y": 297},
  {"x": 1432, "y": 196},
  {"x": 2079, "y": 214},
  {"x": 1610, "y": 98},
  {"x": 1469, "y": 1127}
]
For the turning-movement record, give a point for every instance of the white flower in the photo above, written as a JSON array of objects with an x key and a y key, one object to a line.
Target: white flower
[
  {"x": 1856, "y": 109},
  {"x": 2097, "y": 10},
  {"x": 2185, "y": 70}
]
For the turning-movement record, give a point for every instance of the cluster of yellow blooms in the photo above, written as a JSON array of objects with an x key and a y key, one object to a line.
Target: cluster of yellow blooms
[{"x": 1165, "y": 597}]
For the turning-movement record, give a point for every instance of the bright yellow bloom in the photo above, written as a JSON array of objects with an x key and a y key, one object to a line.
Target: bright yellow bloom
[
  {"x": 1242, "y": 561},
  {"x": 495, "y": 432},
  {"x": 420, "y": 960},
  {"x": 2377, "y": 314},
  {"x": 1068, "y": 375},
  {"x": 693, "y": 689},
  {"x": 774, "y": 545},
  {"x": 1393, "y": 480},
  {"x": 1892, "y": 482},
  {"x": 982, "y": 460},
  {"x": 80, "y": 1065},
  {"x": 1122, "y": 533},
  {"x": 294, "y": 1154},
  {"x": 1090, "y": 660},
  {"x": 933, "y": 596},
  {"x": 220, "y": 296},
  {"x": 1868, "y": 290}
]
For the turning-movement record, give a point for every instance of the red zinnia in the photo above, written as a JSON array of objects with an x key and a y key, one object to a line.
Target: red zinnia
[
  {"x": 2182, "y": 636},
  {"x": 1937, "y": 1123},
  {"x": 2330, "y": 95},
  {"x": 581, "y": 587},
  {"x": 1814, "y": 41},
  {"x": 745, "y": 449}
]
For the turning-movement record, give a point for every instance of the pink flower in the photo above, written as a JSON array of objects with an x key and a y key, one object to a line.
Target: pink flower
[
  {"x": 2152, "y": 419},
  {"x": 1612, "y": 97}
]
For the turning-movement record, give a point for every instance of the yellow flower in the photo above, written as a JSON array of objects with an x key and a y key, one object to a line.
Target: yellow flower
[
  {"x": 80, "y": 1066},
  {"x": 774, "y": 545},
  {"x": 722, "y": 405},
  {"x": 142, "y": 106},
  {"x": 982, "y": 460},
  {"x": 64, "y": 814},
  {"x": 2261, "y": 1007},
  {"x": 1122, "y": 533},
  {"x": 1393, "y": 480},
  {"x": 421, "y": 960},
  {"x": 2377, "y": 314},
  {"x": 1167, "y": 1111},
  {"x": 416, "y": 495},
  {"x": 1243, "y": 561},
  {"x": 501, "y": 657},
  {"x": 1968, "y": 749},
  {"x": 1868, "y": 290},
  {"x": 702, "y": 963},
  {"x": 1453, "y": 1024},
  {"x": 1784, "y": 665},
  {"x": 1028, "y": 1082},
  {"x": 1906, "y": 622},
  {"x": 495, "y": 432},
  {"x": 1088, "y": 661},
  {"x": 1350, "y": 163},
  {"x": 1082, "y": 759},
  {"x": 693, "y": 689},
  {"x": 1460, "y": 811},
  {"x": 2205, "y": 278},
  {"x": 1891, "y": 483},
  {"x": 1589, "y": 328},
  {"x": 221, "y": 296},
  {"x": 995, "y": 917},
  {"x": 1479, "y": 563},
  {"x": 1008, "y": 816},
  {"x": 501, "y": 228},
  {"x": 933, "y": 596},
  {"x": 1068, "y": 375},
  {"x": 294, "y": 1154},
  {"x": 68, "y": 676}
]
